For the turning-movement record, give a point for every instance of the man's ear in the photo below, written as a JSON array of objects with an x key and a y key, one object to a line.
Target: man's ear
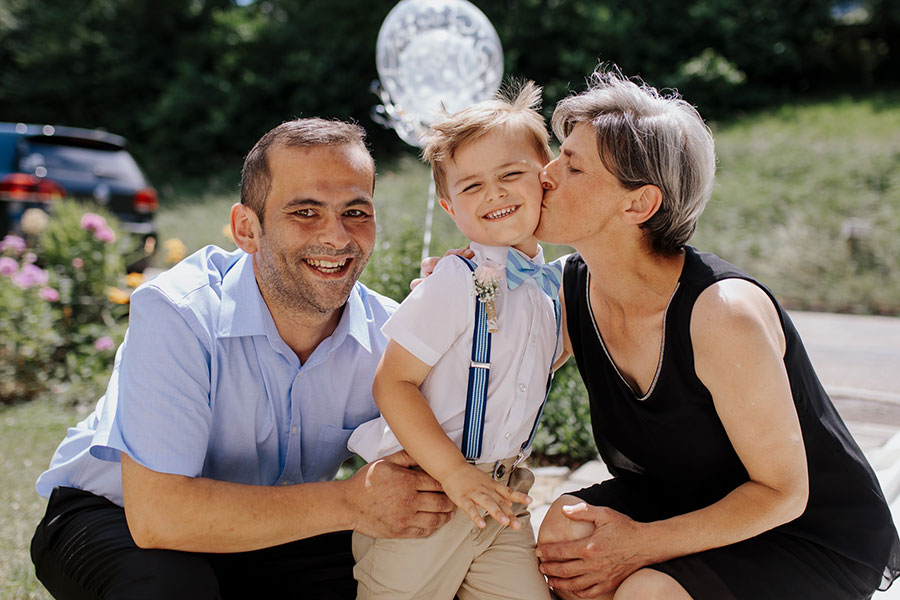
[
  {"x": 448, "y": 207},
  {"x": 245, "y": 228},
  {"x": 645, "y": 201}
]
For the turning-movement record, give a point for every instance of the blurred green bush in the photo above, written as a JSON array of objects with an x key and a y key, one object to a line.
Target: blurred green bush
[
  {"x": 28, "y": 337},
  {"x": 565, "y": 436}
]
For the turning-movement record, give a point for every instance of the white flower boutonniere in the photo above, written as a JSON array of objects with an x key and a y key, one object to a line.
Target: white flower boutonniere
[{"x": 488, "y": 276}]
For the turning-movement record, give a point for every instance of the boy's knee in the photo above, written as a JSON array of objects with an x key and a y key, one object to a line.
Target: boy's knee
[{"x": 557, "y": 527}]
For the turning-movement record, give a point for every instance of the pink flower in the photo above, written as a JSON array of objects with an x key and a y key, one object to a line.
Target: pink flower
[
  {"x": 92, "y": 222},
  {"x": 49, "y": 294},
  {"x": 104, "y": 343},
  {"x": 8, "y": 266},
  {"x": 77, "y": 263},
  {"x": 488, "y": 273},
  {"x": 29, "y": 276},
  {"x": 105, "y": 234},
  {"x": 14, "y": 243}
]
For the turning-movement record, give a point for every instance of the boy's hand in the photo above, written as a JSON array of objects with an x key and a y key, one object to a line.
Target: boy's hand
[
  {"x": 429, "y": 264},
  {"x": 470, "y": 488}
]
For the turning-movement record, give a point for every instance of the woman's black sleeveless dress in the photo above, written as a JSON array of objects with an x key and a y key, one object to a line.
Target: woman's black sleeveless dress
[{"x": 669, "y": 455}]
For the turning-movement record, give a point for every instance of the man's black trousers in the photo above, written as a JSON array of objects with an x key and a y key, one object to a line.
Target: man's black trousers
[{"x": 82, "y": 550}]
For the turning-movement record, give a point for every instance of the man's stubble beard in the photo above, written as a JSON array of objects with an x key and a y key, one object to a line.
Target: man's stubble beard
[{"x": 289, "y": 284}]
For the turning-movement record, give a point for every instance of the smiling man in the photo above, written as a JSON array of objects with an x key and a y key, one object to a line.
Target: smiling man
[{"x": 206, "y": 470}]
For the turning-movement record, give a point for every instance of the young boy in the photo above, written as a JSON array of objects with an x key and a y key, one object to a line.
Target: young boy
[{"x": 486, "y": 160}]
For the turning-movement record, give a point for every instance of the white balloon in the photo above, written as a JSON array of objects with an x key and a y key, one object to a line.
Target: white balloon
[{"x": 433, "y": 55}]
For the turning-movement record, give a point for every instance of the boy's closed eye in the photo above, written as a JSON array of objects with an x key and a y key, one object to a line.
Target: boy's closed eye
[{"x": 508, "y": 176}]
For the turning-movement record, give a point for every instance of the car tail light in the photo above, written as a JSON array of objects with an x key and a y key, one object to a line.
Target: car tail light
[
  {"x": 145, "y": 201},
  {"x": 30, "y": 188}
]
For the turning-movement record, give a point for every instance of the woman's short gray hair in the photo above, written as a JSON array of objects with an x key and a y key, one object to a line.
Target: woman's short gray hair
[{"x": 644, "y": 137}]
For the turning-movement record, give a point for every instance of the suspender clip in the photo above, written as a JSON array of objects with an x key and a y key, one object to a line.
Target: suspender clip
[{"x": 523, "y": 454}]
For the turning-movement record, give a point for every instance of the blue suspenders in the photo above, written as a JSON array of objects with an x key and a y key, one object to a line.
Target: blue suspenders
[{"x": 479, "y": 372}]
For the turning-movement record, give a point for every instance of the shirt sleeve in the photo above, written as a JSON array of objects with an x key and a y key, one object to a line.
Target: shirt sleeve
[
  {"x": 161, "y": 414},
  {"x": 435, "y": 313}
]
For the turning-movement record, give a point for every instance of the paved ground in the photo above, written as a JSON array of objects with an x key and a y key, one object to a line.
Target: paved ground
[{"x": 857, "y": 359}]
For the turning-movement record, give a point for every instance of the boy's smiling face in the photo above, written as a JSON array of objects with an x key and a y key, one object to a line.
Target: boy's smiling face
[{"x": 495, "y": 191}]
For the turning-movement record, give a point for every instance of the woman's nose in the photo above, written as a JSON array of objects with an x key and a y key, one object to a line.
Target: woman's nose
[{"x": 546, "y": 176}]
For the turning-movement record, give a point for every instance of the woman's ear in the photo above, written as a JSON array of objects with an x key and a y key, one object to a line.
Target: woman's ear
[
  {"x": 245, "y": 228},
  {"x": 448, "y": 208},
  {"x": 645, "y": 201}
]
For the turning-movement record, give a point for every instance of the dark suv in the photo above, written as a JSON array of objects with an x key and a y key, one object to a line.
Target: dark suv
[{"x": 41, "y": 163}]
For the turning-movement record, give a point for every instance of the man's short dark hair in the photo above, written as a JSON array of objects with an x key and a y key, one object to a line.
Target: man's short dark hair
[{"x": 256, "y": 179}]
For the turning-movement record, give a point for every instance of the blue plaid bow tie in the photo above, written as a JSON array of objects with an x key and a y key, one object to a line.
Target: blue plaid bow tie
[{"x": 519, "y": 269}]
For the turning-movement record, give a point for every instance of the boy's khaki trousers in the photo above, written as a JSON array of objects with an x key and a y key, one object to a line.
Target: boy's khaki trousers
[{"x": 458, "y": 559}]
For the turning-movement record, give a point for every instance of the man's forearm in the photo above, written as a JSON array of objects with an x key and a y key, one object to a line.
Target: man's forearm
[{"x": 204, "y": 515}]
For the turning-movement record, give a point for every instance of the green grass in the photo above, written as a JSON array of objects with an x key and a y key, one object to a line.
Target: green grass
[
  {"x": 196, "y": 215},
  {"x": 29, "y": 433},
  {"x": 789, "y": 181}
]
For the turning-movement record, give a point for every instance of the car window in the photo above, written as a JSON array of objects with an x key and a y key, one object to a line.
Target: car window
[
  {"x": 79, "y": 163},
  {"x": 7, "y": 152}
]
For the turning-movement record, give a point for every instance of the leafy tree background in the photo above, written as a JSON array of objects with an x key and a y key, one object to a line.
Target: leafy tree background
[{"x": 193, "y": 83}]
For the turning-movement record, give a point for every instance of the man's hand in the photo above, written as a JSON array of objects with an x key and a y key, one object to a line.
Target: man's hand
[
  {"x": 391, "y": 500},
  {"x": 470, "y": 488},
  {"x": 430, "y": 263},
  {"x": 598, "y": 563}
]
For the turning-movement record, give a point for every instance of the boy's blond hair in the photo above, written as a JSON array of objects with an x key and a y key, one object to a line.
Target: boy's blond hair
[{"x": 515, "y": 105}]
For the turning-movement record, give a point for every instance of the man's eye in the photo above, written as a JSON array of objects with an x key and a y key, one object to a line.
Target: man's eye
[
  {"x": 356, "y": 213},
  {"x": 305, "y": 212},
  {"x": 574, "y": 170}
]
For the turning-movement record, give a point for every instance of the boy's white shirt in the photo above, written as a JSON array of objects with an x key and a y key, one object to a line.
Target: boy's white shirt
[{"x": 436, "y": 324}]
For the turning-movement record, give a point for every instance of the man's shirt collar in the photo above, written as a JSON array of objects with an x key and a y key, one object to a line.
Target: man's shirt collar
[
  {"x": 354, "y": 322},
  {"x": 244, "y": 312}
]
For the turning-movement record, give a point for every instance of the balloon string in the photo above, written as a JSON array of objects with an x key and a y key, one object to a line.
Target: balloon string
[{"x": 429, "y": 216}]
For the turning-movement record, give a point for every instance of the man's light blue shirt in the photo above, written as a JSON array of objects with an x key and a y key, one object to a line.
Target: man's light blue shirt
[{"x": 204, "y": 386}]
